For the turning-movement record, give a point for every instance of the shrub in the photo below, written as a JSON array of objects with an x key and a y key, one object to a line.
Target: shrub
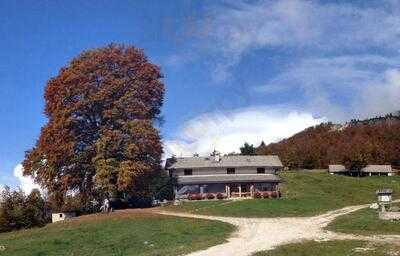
[
  {"x": 265, "y": 195},
  {"x": 133, "y": 202},
  {"x": 18, "y": 210},
  {"x": 195, "y": 197},
  {"x": 210, "y": 196},
  {"x": 274, "y": 194},
  {"x": 257, "y": 195},
  {"x": 279, "y": 194},
  {"x": 199, "y": 197},
  {"x": 220, "y": 196}
]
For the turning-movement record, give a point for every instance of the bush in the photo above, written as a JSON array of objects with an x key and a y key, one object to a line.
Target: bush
[
  {"x": 199, "y": 197},
  {"x": 19, "y": 211},
  {"x": 265, "y": 195},
  {"x": 274, "y": 194},
  {"x": 220, "y": 196},
  {"x": 210, "y": 196},
  {"x": 133, "y": 202},
  {"x": 195, "y": 196},
  {"x": 257, "y": 195}
]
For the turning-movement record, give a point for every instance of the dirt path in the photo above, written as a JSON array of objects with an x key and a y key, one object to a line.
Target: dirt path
[{"x": 258, "y": 234}]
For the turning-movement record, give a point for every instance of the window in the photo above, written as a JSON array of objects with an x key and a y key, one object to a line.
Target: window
[
  {"x": 230, "y": 171},
  {"x": 260, "y": 170},
  {"x": 187, "y": 172},
  {"x": 60, "y": 215}
]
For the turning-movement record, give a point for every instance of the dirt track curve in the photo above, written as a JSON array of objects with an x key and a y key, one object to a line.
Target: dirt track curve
[{"x": 258, "y": 234}]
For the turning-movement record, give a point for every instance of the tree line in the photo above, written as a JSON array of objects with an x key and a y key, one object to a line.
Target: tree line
[{"x": 18, "y": 210}]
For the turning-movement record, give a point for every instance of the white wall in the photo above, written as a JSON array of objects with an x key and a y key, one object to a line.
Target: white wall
[{"x": 60, "y": 216}]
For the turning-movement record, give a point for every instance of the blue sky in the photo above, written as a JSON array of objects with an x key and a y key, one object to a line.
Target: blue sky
[{"x": 234, "y": 71}]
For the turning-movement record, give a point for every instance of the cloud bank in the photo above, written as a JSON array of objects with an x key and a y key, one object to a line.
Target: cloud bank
[
  {"x": 226, "y": 132},
  {"x": 381, "y": 96},
  {"x": 26, "y": 183},
  {"x": 317, "y": 25}
]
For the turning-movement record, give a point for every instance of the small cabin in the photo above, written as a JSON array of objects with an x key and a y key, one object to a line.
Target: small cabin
[
  {"x": 60, "y": 216},
  {"x": 369, "y": 170}
]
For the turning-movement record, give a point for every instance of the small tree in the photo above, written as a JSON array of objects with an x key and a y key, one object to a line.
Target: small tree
[
  {"x": 356, "y": 156},
  {"x": 36, "y": 209},
  {"x": 356, "y": 163},
  {"x": 247, "y": 149}
]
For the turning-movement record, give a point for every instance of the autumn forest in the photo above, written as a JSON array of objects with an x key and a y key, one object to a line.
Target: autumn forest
[{"x": 372, "y": 141}]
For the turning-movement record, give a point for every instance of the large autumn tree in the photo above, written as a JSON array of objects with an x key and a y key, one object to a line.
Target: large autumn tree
[{"x": 100, "y": 134}]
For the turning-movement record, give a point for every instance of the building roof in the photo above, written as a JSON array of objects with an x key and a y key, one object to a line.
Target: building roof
[
  {"x": 227, "y": 178},
  {"x": 384, "y": 191},
  {"x": 335, "y": 168},
  {"x": 378, "y": 168},
  {"x": 225, "y": 161}
]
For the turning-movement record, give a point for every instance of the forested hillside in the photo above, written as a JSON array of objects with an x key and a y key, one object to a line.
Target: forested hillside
[{"x": 375, "y": 141}]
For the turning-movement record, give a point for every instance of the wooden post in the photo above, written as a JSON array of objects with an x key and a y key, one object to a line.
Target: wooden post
[
  {"x": 240, "y": 190},
  {"x": 228, "y": 191},
  {"x": 252, "y": 190},
  {"x": 175, "y": 192}
]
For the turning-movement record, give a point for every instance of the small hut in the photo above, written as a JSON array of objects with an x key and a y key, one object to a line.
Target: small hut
[{"x": 60, "y": 216}]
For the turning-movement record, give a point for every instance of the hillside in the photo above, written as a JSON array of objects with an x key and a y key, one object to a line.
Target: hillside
[
  {"x": 376, "y": 140},
  {"x": 129, "y": 232}
]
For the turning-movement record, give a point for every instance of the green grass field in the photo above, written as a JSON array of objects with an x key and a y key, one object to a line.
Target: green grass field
[
  {"x": 121, "y": 233},
  {"x": 364, "y": 222},
  {"x": 305, "y": 193},
  {"x": 333, "y": 248}
]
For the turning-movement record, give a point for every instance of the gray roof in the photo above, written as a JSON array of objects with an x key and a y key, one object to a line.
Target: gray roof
[
  {"x": 226, "y": 161},
  {"x": 384, "y": 191},
  {"x": 227, "y": 178},
  {"x": 369, "y": 168},
  {"x": 337, "y": 168},
  {"x": 377, "y": 168}
]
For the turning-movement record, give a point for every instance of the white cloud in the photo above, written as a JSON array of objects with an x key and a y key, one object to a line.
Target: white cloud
[
  {"x": 226, "y": 132},
  {"x": 298, "y": 23},
  {"x": 382, "y": 96},
  {"x": 26, "y": 182},
  {"x": 332, "y": 86}
]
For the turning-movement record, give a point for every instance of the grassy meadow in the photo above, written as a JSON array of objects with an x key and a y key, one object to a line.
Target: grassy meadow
[
  {"x": 333, "y": 248},
  {"x": 121, "y": 233},
  {"x": 364, "y": 222},
  {"x": 305, "y": 193}
]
